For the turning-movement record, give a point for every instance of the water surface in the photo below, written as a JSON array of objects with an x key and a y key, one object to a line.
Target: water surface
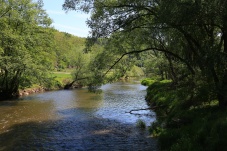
[{"x": 77, "y": 120}]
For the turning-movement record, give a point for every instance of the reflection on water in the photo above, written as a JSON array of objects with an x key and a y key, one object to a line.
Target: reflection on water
[
  {"x": 77, "y": 120},
  {"x": 24, "y": 111},
  {"x": 123, "y": 97}
]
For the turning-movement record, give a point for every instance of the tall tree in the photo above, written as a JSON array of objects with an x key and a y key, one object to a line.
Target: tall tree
[
  {"x": 24, "y": 43},
  {"x": 191, "y": 33}
]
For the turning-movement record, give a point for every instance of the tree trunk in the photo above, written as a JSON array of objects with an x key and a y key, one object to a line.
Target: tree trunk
[
  {"x": 161, "y": 73},
  {"x": 172, "y": 73},
  {"x": 222, "y": 100},
  {"x": 6, "y": 94},
  {"x": 222, "y": 92},
  {"x": 69, "y": 85}
]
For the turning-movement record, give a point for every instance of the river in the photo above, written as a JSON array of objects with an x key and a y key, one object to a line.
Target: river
[{"x": 78, "y": 120}]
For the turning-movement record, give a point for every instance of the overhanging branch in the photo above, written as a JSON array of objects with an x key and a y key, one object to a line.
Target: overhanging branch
[{"x": 150, "y": 49}]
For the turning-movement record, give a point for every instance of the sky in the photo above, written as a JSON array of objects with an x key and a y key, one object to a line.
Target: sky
[{"x": 72, "y": 22}]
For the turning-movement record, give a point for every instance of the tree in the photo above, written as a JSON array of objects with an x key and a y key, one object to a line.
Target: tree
[
  {"x": 203, "y": 35},
  {"x": 66, "y": 48},
  {"x": 24, "y": 45},
  {"x": 191, "y": 34}
]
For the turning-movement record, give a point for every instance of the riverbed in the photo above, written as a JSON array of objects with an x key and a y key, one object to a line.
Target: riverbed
[{"x": 78, "y": 120}]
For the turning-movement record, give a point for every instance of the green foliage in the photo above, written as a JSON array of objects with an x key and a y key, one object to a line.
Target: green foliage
[
  {"x": 70, "y": 54},
  {"x": 147, "y": 81},
  {"x": 68, "y": 49},
  {"x": 25, "y": 49},
  {"x": 190, "y": 50},
  {"x": 161, "y": 93},
  {"x": 135, "y": 71},
  {"x": 186, "y": 125},
  {"x": 200, "y": 129},
  {"x": 62, "y": 78},
  {"x": 140, "y": 124},
  {"x": 155, "y": 129},
  {"x": 184, "y": 47}
]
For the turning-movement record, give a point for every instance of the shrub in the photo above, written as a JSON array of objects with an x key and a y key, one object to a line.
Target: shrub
[
  {"x": 184, "y": 123},
  {"x": 147, "y": 82},
  {"x": 140, "y": 124},
  {"x": 155, "y": 129}
]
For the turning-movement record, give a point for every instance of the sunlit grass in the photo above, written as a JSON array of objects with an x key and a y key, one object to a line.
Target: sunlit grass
[{"x": 62, "y": 76}]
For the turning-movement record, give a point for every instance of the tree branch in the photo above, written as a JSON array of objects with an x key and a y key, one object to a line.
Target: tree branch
[
  {"x": 68, "y": 86},
  {"x": 5, "y": 12},
  {"x": 149, "y": 49},
  {"x": 150, "y": 108}
]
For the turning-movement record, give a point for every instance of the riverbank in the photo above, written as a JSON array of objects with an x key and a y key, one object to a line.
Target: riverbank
[
  {"x": 28, "y": 91},
  {"x": 201, "y": 127},
  {"x": 60, "y": 79},
  {"x": 40, "y": 89}
]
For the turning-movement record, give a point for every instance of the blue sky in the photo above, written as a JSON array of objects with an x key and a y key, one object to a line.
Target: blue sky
[{"x": 72, "y": 22}]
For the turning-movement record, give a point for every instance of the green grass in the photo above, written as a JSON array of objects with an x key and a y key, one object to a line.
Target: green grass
[
  {"x": 60, "y": 76},
  {"x": 57, "y": 80},
  {"x": 147, "y": 81}
]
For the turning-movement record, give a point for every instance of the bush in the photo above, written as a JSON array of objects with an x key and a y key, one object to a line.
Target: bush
[
  {"x": 184, "y": 123},
  {"x": 155, "y": 129},
  {"x": 147, "y": 82},
  {"x": 141, "y": 124},
  {"x": 198, "y": 129}
]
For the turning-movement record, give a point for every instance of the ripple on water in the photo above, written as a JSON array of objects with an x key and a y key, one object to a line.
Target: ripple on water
[{"x": 77, "y": 120}]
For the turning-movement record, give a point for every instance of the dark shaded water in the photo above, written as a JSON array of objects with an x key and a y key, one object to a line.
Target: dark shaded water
[{"x": 77, "y": 120}]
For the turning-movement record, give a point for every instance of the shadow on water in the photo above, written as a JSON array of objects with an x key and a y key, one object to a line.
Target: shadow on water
[
  {"x": 8, "y": 103},
  {"x": 75, "y": 133},
  {"x": 77, "y": 120}
]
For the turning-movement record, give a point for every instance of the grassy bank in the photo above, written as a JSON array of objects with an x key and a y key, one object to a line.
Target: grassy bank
[
  {"x": 56, "y": 80},
  {"x": 182, "y": 128},
  {"x": 59, "y": 79},
  {"x": 62, "y": 77}
]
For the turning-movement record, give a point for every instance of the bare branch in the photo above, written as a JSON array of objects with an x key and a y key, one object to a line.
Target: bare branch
[{"x": 150, "y": 108}]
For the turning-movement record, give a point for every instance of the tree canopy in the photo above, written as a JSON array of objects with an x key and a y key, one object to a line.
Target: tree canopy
[
  {"x": 24, "y": 45},
  {"x": 189, "y": 34}
]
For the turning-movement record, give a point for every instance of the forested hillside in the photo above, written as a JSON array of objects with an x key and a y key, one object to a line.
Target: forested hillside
[
  {"x": 30, "y": 49},
  {"x": 67, "y": 47}
]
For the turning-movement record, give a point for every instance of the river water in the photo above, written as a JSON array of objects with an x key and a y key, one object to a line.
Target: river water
[{"x": 78, "y": 120}]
